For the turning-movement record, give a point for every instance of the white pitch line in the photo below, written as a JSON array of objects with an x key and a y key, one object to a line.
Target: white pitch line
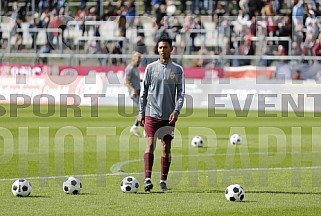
[{"x": 116, "y": 168}]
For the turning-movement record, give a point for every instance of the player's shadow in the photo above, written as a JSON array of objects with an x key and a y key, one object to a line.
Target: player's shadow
[
  {"x": 195, "y": 191},
  {"x": 38, "y": 196},
  {"x": 86, "y": 194},
  {"x": 285, "y": 192},
  {"x": 155, "y": 192}
]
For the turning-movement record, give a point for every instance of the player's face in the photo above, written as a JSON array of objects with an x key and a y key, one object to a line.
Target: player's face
[
  {"x": 136, "y": 61},
  {"x": 164, "y": 50}
]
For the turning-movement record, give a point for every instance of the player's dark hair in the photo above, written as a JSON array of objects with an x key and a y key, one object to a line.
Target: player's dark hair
[{"x": 165, "y": 38}]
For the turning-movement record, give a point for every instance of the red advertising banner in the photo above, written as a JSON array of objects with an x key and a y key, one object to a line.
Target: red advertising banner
[
  {"x": 28, "y": 70},
  {"x": 85, "y": 70},
  {"x": 249, "y": 72},
  {"x": 44, "y": 89},
  {"x": 190, "y": 73}
]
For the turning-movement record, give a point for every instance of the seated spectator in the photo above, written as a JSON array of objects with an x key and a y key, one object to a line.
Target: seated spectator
[
  {"x": 34, "y": 34},
  {"x": 43, "y": 4},
  {"x": 109, "y": 10},
  {"x": 60, "y": 4},
  {"x": 298, "y": 12},
  {"x": 139, "y": 27},
  {"x": 17, "y": 32},
  {"x": 44, "y": 50},
  {"x": 116, "y": 49},
  {"x": 141, "y": 48},
  {"x": 201, "y": 61},
  {"x": 296, "y": 75},
  {"x": 83, "y": 3},
  {"x": 198, "y": 30},
  {"x": 44, "y": 18},
  {"x": 0, "y": 36},
  {"x": 130, "y": 12},
  {"x": 247, "y": 48},
  {"x": 121, "y": 28},
  {"x": 170, "y": 8}
]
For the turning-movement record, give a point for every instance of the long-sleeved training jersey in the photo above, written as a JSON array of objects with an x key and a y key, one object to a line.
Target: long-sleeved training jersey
[{"x": 163, "y": 90}]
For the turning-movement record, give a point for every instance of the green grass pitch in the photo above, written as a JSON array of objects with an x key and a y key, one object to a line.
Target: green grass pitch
[{"x": 278, "y": 163}]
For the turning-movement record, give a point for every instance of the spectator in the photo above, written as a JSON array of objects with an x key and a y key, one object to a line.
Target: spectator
[
  {"x": 232, "y": 8},
  {"x": 141, "y": 48},
  {"x": 60, "y": 4},
  {"x": 44, "y": 50},
  {"x": 130, "y": 12},
  {"x": 309, "y": 43},
  {"x": 109, "y": 10},
  {"x": 201, "y": 61},
  {"x": 246, "y": 49},
  {"x": 160, "y": 12},
  {"x": 220, "y": 11},
  {"x": 244, "y": 5},
  {"x": 139, "y": 27},
  {"x": 122, "y": 28},
  {"x": 298, "y": 12},
  {"x": 83, "y": 4},
  {"x": 267, "y": 9},
  {"x": 43, "y": 4},
  {"x": 296, "y": 75},
  {"x": 198, "y": 30},
  {"x": 147, "y": 7},
  {"x": 316, "y": 50},
  {"x": 183, "y": 6},
  {"x": 198, "y": 6},
  {"x": 1, "y": 42},
  {"x": 44, "y": 18},
  {"x": 34, "y": 34},
  {"x": 170, "y": 8},
  {"x": 17, "y": 32},
  {"x": 120, "y": 7},
  {"x": 116, "y": 49}
]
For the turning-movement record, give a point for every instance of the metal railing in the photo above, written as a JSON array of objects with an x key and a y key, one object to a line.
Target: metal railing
[{"x": 77, "y": 57}]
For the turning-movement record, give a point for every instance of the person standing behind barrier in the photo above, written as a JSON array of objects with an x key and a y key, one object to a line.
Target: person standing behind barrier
[
  {"x": 161, "y": 100},
  {"x": 132, "y": 81}
]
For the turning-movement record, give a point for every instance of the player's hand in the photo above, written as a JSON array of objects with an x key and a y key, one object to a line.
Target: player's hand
[
  {"x": 134, "y": 94},
  {"x": 141, "y": 120},
  {"x": 173, "y": 117}
]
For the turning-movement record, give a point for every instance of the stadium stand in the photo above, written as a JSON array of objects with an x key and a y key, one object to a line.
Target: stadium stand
[{"x": 253, "y": 32}]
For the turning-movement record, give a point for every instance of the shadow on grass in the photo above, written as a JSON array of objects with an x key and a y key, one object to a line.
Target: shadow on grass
[
  {"x": 247, "y": 192},
  {"x": 38, "y": 196},
  {"x": 285, "y": 192},
  {"x": 154, "y": 192},
  {"x": 85, "y": 194}
]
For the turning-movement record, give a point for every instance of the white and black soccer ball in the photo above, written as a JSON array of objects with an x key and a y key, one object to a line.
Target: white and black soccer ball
[
  {"x": 129, "y": 184},
  {"x": 234, "y": 193},
  {"x": 197, "y": 141},
  {"x": 236, "y": 139},
  {"x": 21, "y": 188},
  {"x": 72, "y": 185}
]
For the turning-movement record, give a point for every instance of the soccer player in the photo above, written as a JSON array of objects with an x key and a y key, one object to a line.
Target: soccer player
[
  {"x": 132, "y": 81},
  {"x": 161, "y": 100}
]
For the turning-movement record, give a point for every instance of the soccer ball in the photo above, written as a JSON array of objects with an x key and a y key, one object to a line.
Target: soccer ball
[
  {"x": 234, "y": 193},
  {"x": 235, "y": 139},
  {"x": 197, "y": 141},
  {"x": 21, "y": 188},
  {"x": 129, "y": 185},
  {"x": 72, "y": 185}
]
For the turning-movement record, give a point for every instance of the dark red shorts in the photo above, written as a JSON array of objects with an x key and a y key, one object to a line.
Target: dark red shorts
[{"x": 158, "y": 128}]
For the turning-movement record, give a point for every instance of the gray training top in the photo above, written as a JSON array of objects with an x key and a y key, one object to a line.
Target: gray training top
[
  {"x": 133, "y": 77},
  {"x": 163, "y": 90}
]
